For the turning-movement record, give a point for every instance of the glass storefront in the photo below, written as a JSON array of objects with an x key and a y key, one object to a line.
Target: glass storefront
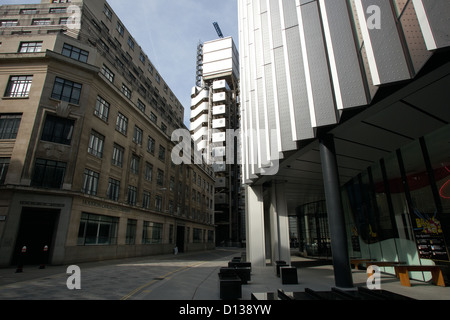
[
  {"x": 398, "y": 210},
  {"x": 314, "y": 236}
]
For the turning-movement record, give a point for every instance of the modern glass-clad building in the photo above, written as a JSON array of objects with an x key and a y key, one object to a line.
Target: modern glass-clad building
[{"x": 344, "y": 110}]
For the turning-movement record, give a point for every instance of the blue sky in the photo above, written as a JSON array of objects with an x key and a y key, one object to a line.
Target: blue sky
[{"x": 169, "y": 32}]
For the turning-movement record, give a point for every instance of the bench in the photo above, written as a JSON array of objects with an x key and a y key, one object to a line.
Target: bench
[
  {"x": 383, "y": 264},
  {"x": 402, "y": 271},
  {"x": 356, "y": 262}
]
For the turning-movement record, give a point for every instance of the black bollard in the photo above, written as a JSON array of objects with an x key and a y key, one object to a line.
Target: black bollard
[
  {"x": 21, "y": 260},
  {"x": 44, "y": 257}
]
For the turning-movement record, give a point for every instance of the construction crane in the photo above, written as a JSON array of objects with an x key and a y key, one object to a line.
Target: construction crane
[{"x": 219, "y": 32}]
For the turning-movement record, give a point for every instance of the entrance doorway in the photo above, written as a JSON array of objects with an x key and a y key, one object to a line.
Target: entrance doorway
[
  {"x": 37, "y": 229},
  {"x": 180, "y": 238}
]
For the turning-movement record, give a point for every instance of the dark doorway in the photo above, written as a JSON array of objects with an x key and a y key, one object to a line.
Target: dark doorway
[
  {"x": 37, "y": 228},
  {"x": 180, "y": 238}
]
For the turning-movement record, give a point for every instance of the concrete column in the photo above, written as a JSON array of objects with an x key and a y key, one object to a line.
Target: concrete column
[
  {"x": 339, "y": 247},
  {"x": 279, "y": 224},
  {"x": 254, "y": 208}
]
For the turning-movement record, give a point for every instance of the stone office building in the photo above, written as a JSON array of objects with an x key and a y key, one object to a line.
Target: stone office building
[{"x": 85, "y": 142}]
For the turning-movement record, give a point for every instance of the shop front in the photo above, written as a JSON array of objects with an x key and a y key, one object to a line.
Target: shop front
[{"x": 397, "y": 210}]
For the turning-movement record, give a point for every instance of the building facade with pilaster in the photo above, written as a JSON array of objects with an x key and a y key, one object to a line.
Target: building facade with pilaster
[{"x": 85, "y": 142}]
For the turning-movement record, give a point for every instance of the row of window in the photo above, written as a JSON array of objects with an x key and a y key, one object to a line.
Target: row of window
[
  {"x": 102, "y": 230},
  {"x": 127, "y": 92},
  {"x": 65, "y": 90},
  {"x": 36, "y": 22}
]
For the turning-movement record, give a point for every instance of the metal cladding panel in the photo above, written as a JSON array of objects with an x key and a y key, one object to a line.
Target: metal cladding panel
[
  {"x": 287, "y": 141},
  {"x": 302, "y": 114},
  {"x": 384, "y": 48},
  {"x": 345, "y": 65},
  {"x": 276, "y": 23},
  {"x": 434, "y": 17},
  {"x": 289, "y": 13},
  {"x": 323, "y": 102},
  {"x": 414, "y": 38}
]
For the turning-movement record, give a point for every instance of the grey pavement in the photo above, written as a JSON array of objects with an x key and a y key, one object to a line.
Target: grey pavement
[{"x": 191, "y": 277}]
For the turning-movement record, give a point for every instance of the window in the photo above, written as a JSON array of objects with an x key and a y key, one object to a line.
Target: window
[
  {"x": 41, "y": 22},
  {"x": 66, "y": 90},
  {"x": 108, "y": 74},
  {"x": 153, "y": 117},
  {"x": 58, "y": 10},
  {"x": 113, "y": 189},
  {"x": 148, "y": 174},
  {"x": 141, "y": 106},
  {"x": 163, "y": 127},
  {"x": 108, "y": 12},
  {"x": 102, "y": 109},
  {"x": 4, "y": 165},
  {"x": 122, "y": 124},
  {"x": 90, "y": 183},
  {"x": 160, "y": 178},
  {"x": 97, "y": 230},
  {"x": 117, "y": 158},
  {"x": 146, "y": 200},
  {"x": 142, "y": 58},
  {"x": 96, "y": 143},
  {"x": 138, "y": 134},
  {"x": 75, "y": 53},
  {"x": 48, "y": 174},
  {"x": 131, "y": 231},
  {"x": 197, "y": 235},
  {"x": 151, "y": 145},
  {"x": 30, "y": 47},
  {"x": 9, "y": 126},
  {"x": 64, "y": 21},
  {"x": 171, "y": 206},
  {"x": 158, "y": 203},
  {"x": 162, "y": 153},
  {"x": 28, "y": 11},
  {"x": 8, "y": 23},
  {"x": 120, "y": 29},
  {"x": 18, "y": 86},
  {"x": 131, "y": 43},
  {"x": 135, "y": 164},
  {"x": 152, "y": 233},
  {"x": 126, "y": 91},
  {"x": 172, "y": 184},
  {"x": 132, "y": 195},
  {"x": 58, "y": 130}
]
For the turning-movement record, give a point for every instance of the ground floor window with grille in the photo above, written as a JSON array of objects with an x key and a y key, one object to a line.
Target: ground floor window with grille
[
  {"x": 4, "y": 165},
  {"x": 152, "y": 233},
  {"x": 198, "y": 235},
  {"x": 9, "y": 126},
  {"x": 131, "y": 232},
  {"x": 48, "y": 174},
  {"x": 97, "y": 230}
]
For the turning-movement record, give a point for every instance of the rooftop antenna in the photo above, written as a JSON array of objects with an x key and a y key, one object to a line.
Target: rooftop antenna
[{"x": 219, "y": 32}]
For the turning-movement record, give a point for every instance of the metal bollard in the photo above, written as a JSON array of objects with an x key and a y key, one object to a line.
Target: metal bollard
[
  {"x": 44, "y": 257},
  {"x": 21, "y": 259}
]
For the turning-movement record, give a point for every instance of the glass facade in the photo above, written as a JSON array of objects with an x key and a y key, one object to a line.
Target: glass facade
[{"x": 398, "y": 210}]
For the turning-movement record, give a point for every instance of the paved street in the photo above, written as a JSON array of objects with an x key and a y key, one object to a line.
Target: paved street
[
  {"x": 185, "y": 277},
  {"x": 130, "y": 279}
]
